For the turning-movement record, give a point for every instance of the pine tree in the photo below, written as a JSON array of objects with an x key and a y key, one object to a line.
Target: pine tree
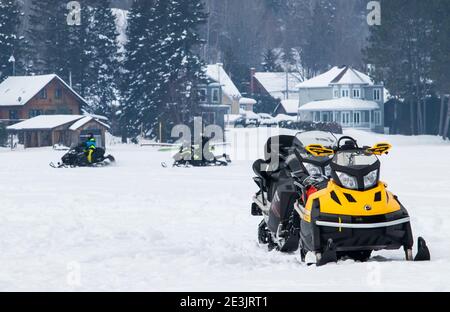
[
  {"x": 399, "y": 50},
  {"x": 161, "y": 66},
  {"x": 143, "y": 81},
  {"x": 440, "y": 56},
  {"x": 11, "y": 43},
  {"x": 184, "y": 68},
  {"x": 320, "y": 47},
  {"x": 101, "y": 55},
  {"x": 48, "y": 37},
  {"x": 270, "y": 63}
]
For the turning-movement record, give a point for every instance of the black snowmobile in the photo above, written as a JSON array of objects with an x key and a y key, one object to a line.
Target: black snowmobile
[
  {"x": 76, "y": 157},
  {"x": 283, "y": 178},
  {"x": 327, "y": 200},
  {"x": 199, "y": 155}
]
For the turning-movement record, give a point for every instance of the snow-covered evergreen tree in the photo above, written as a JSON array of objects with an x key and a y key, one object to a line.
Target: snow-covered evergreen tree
[
  {"x": 161, "y": 65},
  {"x": 271, "y": 61},
  {"x": 184, "y": 69},
  {"x": 10, "y": 41},
  {"x": 101, "y": 55},
  {"x": 143, "y": 61},
  {"x": 48, "y": 49},
  {"x": 320, "y": 49}
]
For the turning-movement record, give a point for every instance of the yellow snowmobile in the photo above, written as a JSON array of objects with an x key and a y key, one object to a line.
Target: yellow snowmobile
[{"x": 354, "y": 214}]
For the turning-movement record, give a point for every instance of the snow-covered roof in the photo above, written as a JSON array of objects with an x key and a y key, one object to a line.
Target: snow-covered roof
[
  {"x": 218, "y": 74},
  {"x": 275, "y": 83},
  {"x": 290, "y": 106},
  {"x": 337, "y": 76},
  {"x": 80, "y": 123},
  {"x": 341, "y": 104},
  {"x": 48, "y": 122},
  {"x": 283, "y": 117},
  {"x": 18, "y": 90},
  {"x": 45, "y": 122},
  {"x": 247, "y": 101}
]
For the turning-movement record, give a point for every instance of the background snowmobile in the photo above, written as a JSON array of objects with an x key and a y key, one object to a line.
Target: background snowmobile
[
  {"x": 76, "y": 157},
  {"x": 196, "y": 155},
  {"x": 282, "y": 178},
  {"x": 350, "y": 215}
]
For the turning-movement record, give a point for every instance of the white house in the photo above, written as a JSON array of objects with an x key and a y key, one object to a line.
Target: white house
[{"x": 343, "y": 95}]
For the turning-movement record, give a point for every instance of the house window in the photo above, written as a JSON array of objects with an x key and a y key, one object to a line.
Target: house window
[
  {"x": 34, "y": 113},
  {"x": 202, "y": 95},
  {"x": 335, "y": 92},
  {"x": 215, "y": 95},
  {"x": 345, "y": 93},
  {"x": 377, "y": 94},
  {"x": 316, "y": 116},
  {"x": 43, "y": 94},
  {"x": 335, "y": 116},
  {"x": 356, "y": 93},
  {"x": 209, "y": 118},
  {"x": 357, "y": 118},
  {"x": 58, "y": 93},
  {"x": 13, "y": 114},
  {"x": 377, "y": 118},
  {"x": 346, "y": 118},
  {"x": 325, "y": 117}
]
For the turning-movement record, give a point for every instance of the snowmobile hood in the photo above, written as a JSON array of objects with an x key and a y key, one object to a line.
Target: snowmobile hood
[{"x": 336, "y": 200}]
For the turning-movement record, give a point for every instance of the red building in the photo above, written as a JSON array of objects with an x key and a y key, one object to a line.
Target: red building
[{"x": 30, "y": 96}]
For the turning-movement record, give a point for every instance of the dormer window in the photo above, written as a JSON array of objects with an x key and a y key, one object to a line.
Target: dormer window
[
  {"x": 215, "y": 95},
  {"x": 345, "y": 93},
  {"x": 202, "y": 95},
  {"x": 43, "y": 94},
  {"x": 335, "y": 92},
  {"x": 377, "y": 94}
]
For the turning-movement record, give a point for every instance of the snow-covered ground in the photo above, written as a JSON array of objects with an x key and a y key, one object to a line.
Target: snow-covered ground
[{"x": 136, "y": 226}]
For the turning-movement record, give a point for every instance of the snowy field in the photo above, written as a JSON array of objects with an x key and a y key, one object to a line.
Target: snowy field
[{"x": 136, "y": 226}]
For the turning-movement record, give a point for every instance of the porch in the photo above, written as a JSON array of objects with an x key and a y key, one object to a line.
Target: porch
[{"x": 363, "y": 115}]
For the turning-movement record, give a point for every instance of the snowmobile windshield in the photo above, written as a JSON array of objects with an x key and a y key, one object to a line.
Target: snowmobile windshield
[
  {"x": 355, "y": 169},
  {"x": 355, "y": 159},
  {"x": 316, "y": 137}
]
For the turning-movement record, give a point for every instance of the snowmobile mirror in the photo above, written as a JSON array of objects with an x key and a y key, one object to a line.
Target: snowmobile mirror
[
  {"x": 319, "y": 150},
  {"x": 380, "y": 149}
]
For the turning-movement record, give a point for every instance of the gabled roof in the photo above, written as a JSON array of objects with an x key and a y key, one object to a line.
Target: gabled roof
[
  {"x": 49, "y": 122},
  {"x": 290, "y": 106},
  {"x": 45, "y": 122},
  {"x": 275, "y": 83},
  {"x": 341, "y": 104},
  {"x": 219, "y": 75},
  {"x": 337, "y": 76},
  {"x": 19, "y": 90},
  {"x": 86, "y": 119}
]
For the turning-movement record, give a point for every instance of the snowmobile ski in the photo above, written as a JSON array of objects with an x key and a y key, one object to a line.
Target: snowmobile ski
[{"x": 423, "y": 253}]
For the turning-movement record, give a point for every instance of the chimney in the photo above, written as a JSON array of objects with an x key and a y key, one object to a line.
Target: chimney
[{"x": 252, "y": 80}]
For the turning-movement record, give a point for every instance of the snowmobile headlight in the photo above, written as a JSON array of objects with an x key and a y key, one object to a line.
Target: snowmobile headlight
[
  {"x": 347, "y": 181},
  {"x": 371, "y": 179},
  {"x": 312, "y": 169},
  {"x": 328, "y": 171}
]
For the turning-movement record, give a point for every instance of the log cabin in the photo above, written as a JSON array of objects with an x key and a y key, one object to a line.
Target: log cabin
[{"x": 26, "y": 97}]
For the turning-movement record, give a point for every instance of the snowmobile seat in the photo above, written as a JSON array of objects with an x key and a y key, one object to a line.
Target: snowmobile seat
[{"x": 282, "y": 145}]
